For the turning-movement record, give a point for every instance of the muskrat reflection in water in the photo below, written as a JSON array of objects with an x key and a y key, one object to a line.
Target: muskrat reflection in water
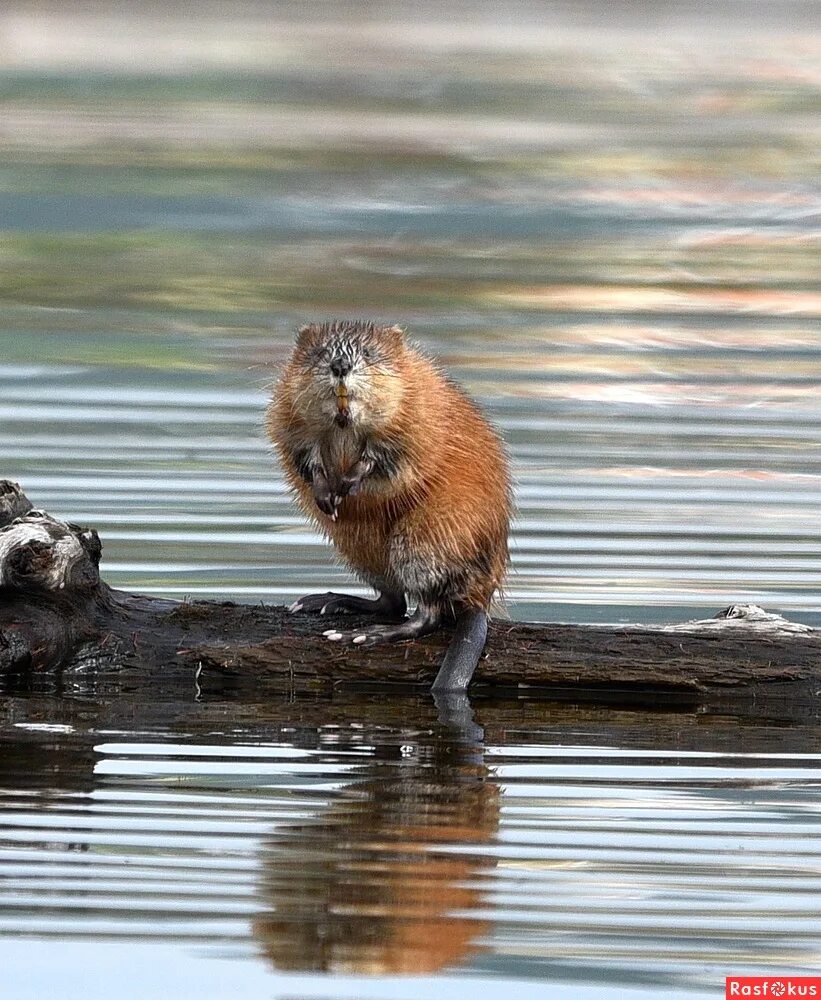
[{"x": 364, "y": 890}]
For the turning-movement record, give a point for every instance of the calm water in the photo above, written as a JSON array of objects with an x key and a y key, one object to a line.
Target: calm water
[{"x": 609, "y": 232}]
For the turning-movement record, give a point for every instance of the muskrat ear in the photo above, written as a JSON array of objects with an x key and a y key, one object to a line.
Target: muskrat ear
[
  {"x": 305, "y": 335},
  {"x": 394, "y": 335}
]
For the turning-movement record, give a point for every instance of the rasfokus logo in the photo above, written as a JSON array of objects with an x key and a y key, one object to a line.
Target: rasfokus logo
[{"x": 774, "y": 987}]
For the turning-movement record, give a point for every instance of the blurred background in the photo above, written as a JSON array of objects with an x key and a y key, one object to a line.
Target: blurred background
[{"x": 604, "y": 219}]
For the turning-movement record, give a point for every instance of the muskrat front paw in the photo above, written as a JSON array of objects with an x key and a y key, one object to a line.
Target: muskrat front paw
[
  {"x": 327, "y": 497},
  {"x": 328, "y": 503},
  {"x": 349, "y": 487},
  {"x": 351, "y": 482}
]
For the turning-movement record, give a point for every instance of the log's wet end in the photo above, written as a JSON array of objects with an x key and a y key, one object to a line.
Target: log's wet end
[{"x": 56, "y": 614}]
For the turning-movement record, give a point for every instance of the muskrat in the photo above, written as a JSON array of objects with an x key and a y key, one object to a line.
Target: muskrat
[{"x": 400, "y": 469}]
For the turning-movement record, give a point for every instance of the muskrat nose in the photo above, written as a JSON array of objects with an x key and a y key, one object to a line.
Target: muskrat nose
[{"x": 340, "y": 367}]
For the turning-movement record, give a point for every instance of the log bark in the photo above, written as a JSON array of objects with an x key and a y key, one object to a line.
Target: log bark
[{"x": 57, "y": 615}]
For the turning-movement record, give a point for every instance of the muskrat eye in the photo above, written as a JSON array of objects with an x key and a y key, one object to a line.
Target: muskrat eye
[
  {"x": 368, "y": 354},
  {"x": 319, "y": 354}
]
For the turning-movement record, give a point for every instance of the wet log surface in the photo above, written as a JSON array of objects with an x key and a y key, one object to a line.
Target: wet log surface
[{"x": 56, "y": 614}]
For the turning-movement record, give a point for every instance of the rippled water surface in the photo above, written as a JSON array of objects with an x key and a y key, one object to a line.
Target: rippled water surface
[
  {"x": 206, "y": 849},
  {"x": 604, "y": 220},
  {"x": 610, "y": 238}
]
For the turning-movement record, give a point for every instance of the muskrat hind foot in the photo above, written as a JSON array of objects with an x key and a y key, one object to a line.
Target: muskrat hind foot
[
  {"x": 424, "y": 621},
  {"x": 461, "y": 658},
  {"x": 388, "y": 604}
]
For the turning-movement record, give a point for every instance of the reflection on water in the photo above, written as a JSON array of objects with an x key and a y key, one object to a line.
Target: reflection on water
[
  {"x": 366, "y": 887},
  {"x": 572, "y": 846}
]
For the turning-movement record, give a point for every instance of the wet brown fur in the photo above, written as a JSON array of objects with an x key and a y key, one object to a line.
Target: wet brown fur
[{"x": 446, "y": 510}]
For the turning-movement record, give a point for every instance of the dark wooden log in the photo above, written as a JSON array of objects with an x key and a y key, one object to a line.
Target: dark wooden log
[{"x": 57, "y": 614}]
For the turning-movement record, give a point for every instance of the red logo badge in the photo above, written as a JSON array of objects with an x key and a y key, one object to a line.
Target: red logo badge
[{"x": 772, "y": 987}]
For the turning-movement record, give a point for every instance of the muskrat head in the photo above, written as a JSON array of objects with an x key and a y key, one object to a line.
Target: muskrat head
[{"x": 349, "y": 371}]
